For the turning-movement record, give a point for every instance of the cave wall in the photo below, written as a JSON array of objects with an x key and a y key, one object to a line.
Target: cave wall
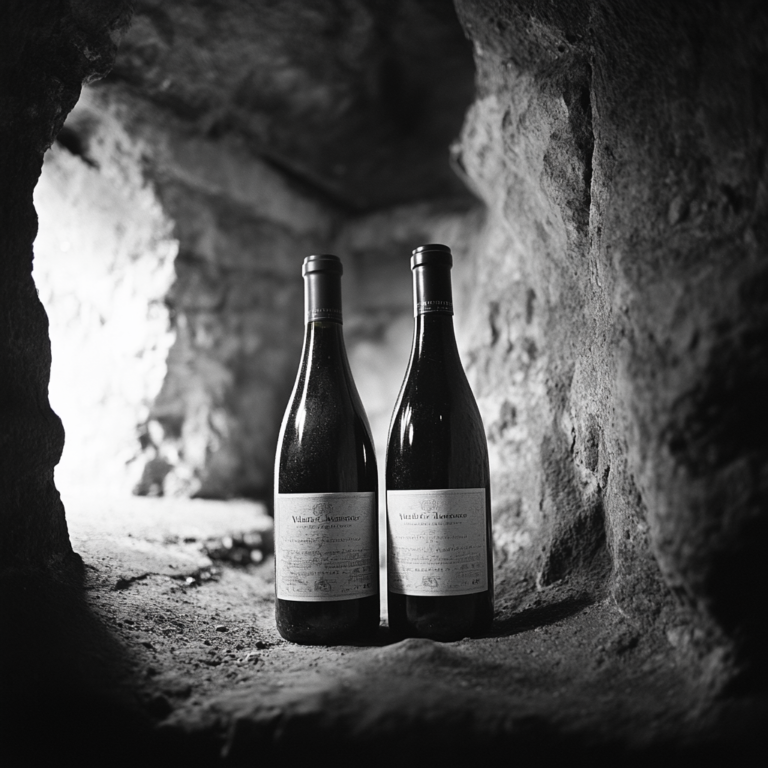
[
  {"x": 103, "y": 265},
  {"x": 620, "y": 345},
  {"x": 175, "y": 357},
  {"x": 261, "y": 140},
  {"x": 46, "y": 51}
]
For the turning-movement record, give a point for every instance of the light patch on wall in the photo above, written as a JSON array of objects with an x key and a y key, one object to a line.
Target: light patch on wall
[{"x": 103, "y": 264}]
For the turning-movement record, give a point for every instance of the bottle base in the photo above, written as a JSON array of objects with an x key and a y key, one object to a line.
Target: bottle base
[
  {"x": 327, "y": 623},
  {"x": 444, "y": 619}
]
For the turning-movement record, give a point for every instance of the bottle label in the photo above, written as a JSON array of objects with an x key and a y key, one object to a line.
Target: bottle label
[
  {"x": 437, "y": 542},
  {"x": 325, "y": 546}
]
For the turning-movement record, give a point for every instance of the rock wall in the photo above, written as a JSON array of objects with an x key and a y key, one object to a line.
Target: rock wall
[
  {"x": 48, "y": 50},
  {"x": 104, "y": 263},
  {"x": 620, "y": 343},
  {"x": 175, "y": 357}
]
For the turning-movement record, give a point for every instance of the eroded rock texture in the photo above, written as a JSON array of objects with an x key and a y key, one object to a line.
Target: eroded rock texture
[
  {"x": 103, "y": 267},
  {"x": 47, "y": 50},
  {"x": 620, "y": 344}
]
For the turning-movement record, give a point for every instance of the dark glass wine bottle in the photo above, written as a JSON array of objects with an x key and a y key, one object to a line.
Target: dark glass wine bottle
[
  {"x": 326, "y": 484},
  {"x": 440, "y": 569}
]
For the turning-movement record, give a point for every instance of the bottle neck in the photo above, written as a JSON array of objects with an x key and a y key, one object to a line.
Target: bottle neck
[
  {"x": 432, "y": 293},
  {"x": 325, "y": 362},
  {"x": 434, "y": 338},
  {"x": 324, "y": 344},
  {"x": 433, "y": 310},
  {"x": 322, "y": 298}
]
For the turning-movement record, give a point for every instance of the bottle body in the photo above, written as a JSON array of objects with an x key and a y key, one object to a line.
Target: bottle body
[
  {"x": 326, "y": 491},
  {"x": 440, "y": 570}
]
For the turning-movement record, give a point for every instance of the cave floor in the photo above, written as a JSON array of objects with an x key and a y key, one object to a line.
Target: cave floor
[{"x": 175, "y": 659}]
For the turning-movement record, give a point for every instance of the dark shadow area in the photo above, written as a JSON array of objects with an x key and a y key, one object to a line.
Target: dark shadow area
[
  {"x": 65, "y": 682},
  {"x": 529, "y": 740},
  {"x": 541, "y": 616},
  {"x": 534, "y": 744}
]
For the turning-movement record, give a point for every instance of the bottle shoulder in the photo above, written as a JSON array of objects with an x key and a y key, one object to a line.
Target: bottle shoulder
[
  {"x": 432, "y": 389},
  {"x": 437, "y": 438},
  {"x": 325, "y": 443}
]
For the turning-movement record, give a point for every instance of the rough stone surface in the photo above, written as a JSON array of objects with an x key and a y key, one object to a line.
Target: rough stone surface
[
  {"x": 103, "y": 266},
  {"x": 188, "y": 361},
  {"x": 620, "y": 344},
  {"x": 358, "y": 100},
  {"x": 47, "y": 50},
  {"x": 173, "y": 659}
]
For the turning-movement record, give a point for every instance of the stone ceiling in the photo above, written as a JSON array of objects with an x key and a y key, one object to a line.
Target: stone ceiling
[{"x": 359, "y": 100}]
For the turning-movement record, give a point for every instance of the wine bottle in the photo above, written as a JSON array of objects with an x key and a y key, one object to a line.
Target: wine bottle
[
  {"x": 439, "y": 537},
  {"x": 326, "y": 484}
]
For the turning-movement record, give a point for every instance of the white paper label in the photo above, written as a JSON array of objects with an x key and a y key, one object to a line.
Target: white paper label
[
  {"x": 437, "y": 542},
  {"x": 325, "y": 546}
]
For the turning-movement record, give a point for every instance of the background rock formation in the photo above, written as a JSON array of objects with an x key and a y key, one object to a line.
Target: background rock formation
[
  {"x": 620, "y": 346},
  {"x": 260, "y": 133}
]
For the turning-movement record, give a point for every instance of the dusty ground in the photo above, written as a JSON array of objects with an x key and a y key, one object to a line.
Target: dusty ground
[{"x": 174, "y": 659}]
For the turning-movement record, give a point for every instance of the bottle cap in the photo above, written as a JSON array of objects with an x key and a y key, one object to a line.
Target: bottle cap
[
  {"x": 322, "y": 287},
  {"x": 324, "y": 262},
  {"x": 432, "y": 254},
  {"x": 432, "y": 287}
]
